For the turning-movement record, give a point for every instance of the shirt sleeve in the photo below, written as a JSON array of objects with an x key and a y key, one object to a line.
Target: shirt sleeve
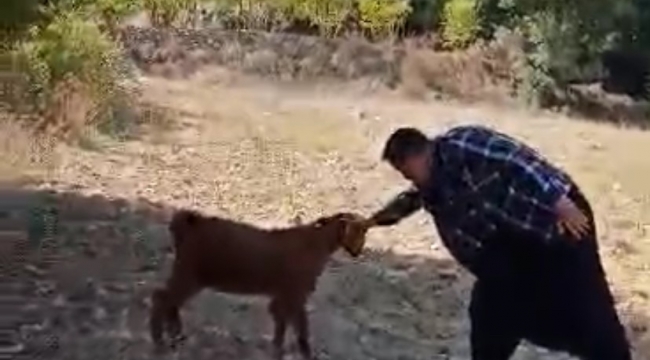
[{"x": 401, "y": 206}]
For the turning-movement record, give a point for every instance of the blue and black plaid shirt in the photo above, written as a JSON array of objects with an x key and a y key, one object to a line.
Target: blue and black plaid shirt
[{"x": 483, "y": 182}]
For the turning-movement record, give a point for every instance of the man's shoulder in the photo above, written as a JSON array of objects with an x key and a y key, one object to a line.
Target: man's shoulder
[
  {"x": 467, "y": 135},
  {"x": 469, "y": 128}
]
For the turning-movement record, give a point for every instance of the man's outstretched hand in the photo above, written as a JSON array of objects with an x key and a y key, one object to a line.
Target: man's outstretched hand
[{"x": 571, "y": 219}]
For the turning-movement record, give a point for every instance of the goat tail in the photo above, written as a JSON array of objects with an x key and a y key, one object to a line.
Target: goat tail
[{"x": 179, "y": 223}]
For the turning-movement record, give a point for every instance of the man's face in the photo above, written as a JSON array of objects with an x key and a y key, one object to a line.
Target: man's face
[{"x": 416, "y": 168}]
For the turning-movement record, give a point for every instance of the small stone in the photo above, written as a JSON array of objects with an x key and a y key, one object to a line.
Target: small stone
[
  {"x": 121, "y": 288},
  {"x": 59, "y": 301},
  {"x": 99, "y": 314},
  {"x": 448, "y": 273},
  {"x": 33, "y": 270},
  {"x": 596, "y": 146}
]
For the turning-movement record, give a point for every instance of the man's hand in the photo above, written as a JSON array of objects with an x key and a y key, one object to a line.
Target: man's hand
[{"x": 570, "y": 218}]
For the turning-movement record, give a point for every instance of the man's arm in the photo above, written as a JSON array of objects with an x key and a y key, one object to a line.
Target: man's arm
[{"x": 400, "y": 207}]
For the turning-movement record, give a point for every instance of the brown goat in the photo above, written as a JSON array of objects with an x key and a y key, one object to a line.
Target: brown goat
[{"x": 231, "y": 257}]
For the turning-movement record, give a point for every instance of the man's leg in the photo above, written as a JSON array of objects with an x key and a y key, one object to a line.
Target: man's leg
[
  {"x": 494, "y": 334},
  {"x": 579, "y": 302}
]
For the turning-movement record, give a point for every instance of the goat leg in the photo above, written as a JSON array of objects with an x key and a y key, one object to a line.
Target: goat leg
[
  {"x": 278, "y": 311},
  {"x": 156, "y": 318},
  {"x": 301, "y": 325},
  {"x": 175, "y": 328},
  {"x": 165, "y": 315}
]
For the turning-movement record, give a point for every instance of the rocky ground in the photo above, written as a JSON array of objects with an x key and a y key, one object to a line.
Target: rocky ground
[{"x": 85, "y": 243}]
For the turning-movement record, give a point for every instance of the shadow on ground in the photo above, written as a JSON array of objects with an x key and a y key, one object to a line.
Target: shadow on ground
[
  {"x": 77, "y": 272},
  {"x": 589, "y": 102}
]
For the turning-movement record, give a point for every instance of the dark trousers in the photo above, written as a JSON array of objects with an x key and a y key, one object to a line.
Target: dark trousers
[{"x": 555, "y": 296}]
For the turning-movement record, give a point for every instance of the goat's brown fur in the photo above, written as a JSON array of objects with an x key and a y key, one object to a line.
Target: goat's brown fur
[{"x": 227, "y": 256}]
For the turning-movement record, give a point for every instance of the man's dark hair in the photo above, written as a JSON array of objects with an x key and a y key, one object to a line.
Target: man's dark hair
[{"x": 402, "y": 143}]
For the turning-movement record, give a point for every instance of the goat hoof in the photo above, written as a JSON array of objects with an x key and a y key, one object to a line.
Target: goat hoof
[
  {"x": 278, "y": 354},
  {"x": 177, "y": 341},
  {"x": 159, "y": 349},
  {"x": 305, "y": 352}
]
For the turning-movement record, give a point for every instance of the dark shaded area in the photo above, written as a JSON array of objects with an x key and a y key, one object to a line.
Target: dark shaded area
[
  {"x": 628, "y": 72},
  {"x": 617, "y": 93},
  {"x": 15, "y": 18},
  {"x": 77, "y": 272},
  {"x": 592, "y": 103}
]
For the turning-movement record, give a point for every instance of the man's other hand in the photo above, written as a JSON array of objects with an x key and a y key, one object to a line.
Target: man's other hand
[{"x": 571, "y": 219}]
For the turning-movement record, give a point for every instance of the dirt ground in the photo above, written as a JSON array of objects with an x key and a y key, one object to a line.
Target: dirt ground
[{"x": 265, "y": 153}]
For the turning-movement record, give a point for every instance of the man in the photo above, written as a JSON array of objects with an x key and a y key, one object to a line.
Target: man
[{"x": 523, "y": 228}]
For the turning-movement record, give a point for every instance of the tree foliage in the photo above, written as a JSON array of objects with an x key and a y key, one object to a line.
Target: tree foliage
[
  {"x": 460, "y": 23},
  {"x": 563, "y": 39},
  {"x": 383, "y": 17}
]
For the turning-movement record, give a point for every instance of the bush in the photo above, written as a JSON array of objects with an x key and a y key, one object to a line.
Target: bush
[
  {"x": 383, "y": 17},
  {"x": 565, "y": 43},
  {"x": 328, "y": 16},
  {"x": 167, "y": 12},
  {"x": 254, "y": 14},
  {"x": 460, "y": 23},
  {"x": 71, "y": 58},
  {"x": 110, "y": 12},
  {"x": 378, "y": 18}
]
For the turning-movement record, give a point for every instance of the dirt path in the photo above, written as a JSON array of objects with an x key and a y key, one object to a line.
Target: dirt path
[{"x": 265, "y": 154}]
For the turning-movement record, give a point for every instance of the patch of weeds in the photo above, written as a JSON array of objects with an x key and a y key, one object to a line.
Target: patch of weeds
[
  {"x": 143, "y": 243},
  {"x": 43, "y": 223}
]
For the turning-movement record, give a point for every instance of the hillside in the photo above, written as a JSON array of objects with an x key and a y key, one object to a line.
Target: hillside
[{"x": 261, "y": 152}]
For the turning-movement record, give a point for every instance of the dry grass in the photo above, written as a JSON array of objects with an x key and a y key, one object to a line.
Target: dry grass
[
  {"x": 69, "y": 111},
  {"x": 484, "y": 71},
  {"x": 265, "y": 154},
  {"x": 25, "y": 154}
]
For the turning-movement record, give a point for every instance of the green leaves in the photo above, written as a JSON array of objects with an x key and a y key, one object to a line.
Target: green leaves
[
  {"x": 166, "y": 12},
  {"x": 461, "y": 23},
  {"x": 383, "y": 17}
]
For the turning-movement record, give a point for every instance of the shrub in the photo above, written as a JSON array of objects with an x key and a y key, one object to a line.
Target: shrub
[
  {"x": 328, "y": 16},
  {"x": 254, "y": 14},
  {"x": 71, "y": 58},
  {"x": 383, "y": 17},
  {"x": 167, "y": 12},
  {"x": 460, "y": 23},
  {"x": 112, "y": 11}
]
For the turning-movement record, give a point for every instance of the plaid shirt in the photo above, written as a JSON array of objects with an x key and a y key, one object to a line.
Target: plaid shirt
[{"x": 483, "y": 181}]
